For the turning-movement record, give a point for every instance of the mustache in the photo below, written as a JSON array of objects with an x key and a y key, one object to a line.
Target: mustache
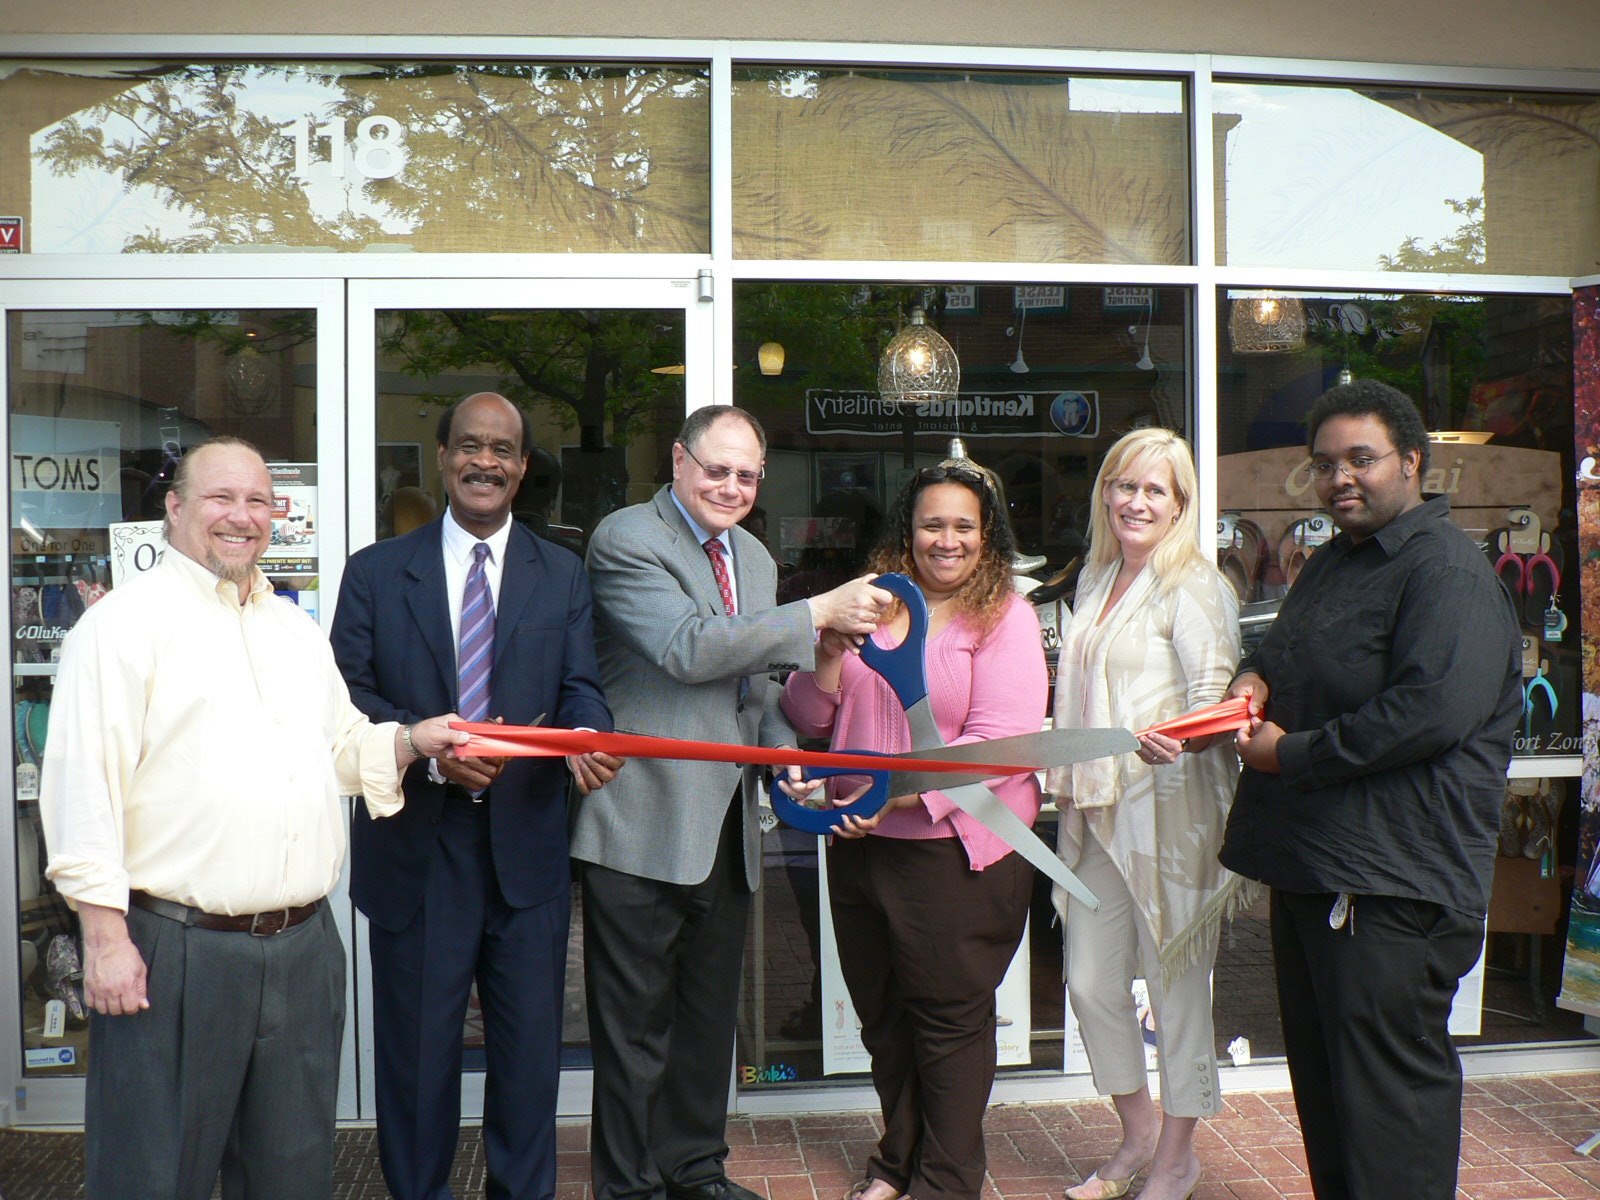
[{"x": 483, "y": 477}]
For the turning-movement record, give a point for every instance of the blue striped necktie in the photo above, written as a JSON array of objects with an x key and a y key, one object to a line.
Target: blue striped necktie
[{"x": 477, "y": 640}]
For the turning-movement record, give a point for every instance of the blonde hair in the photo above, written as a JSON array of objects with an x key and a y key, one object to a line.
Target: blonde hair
[{"x": 1134, "y": 454}]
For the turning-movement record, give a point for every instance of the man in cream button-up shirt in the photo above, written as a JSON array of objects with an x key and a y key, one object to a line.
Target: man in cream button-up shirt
[{"x": 201, "y": 739}]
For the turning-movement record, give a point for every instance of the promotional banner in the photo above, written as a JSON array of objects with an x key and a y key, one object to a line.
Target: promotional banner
[
  {"x": 1580, "y": 973},
  {"x": 293, "y": 550}
]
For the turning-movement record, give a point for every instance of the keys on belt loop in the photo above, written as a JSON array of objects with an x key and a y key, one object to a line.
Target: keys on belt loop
[{"x": 1342, "y": 912}]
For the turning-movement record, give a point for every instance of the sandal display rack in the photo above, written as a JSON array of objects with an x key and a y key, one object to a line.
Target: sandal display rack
[{"x": 49, "y": 592}]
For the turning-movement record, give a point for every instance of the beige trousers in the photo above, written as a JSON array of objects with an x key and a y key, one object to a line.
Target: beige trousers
[{"x": 1105, "y": 950}]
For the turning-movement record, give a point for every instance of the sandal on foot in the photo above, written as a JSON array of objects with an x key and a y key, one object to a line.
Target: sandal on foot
[{"x": 1098, "y": 1187}]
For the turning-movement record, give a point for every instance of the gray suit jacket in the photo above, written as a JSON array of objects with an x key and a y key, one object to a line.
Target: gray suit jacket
[{"x": 672, "y": 663}]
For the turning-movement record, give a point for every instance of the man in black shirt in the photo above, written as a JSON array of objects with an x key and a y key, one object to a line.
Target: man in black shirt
[{"x": 1386, "y": 695}]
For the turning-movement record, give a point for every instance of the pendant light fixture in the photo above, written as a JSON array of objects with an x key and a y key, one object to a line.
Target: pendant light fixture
[
  {"x": 918, "y": 365},
  {"x": 1267, "y": 323}
]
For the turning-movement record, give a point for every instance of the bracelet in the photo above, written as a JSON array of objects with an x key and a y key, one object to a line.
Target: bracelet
[{"x": 405, "y": 740}]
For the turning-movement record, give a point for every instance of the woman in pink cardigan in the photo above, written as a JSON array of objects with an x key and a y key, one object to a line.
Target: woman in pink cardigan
[{"x": 930, "y": 907}]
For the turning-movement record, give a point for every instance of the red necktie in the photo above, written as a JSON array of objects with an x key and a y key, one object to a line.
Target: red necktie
[{"x": 719, "y": 568}]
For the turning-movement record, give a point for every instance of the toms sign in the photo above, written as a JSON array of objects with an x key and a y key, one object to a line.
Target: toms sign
[{"x": 63, "y": 472}]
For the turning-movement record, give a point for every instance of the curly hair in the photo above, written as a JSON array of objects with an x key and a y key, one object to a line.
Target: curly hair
[
  {"x": 1369, "y": 398},
  {"x": 982, "y": 599}
]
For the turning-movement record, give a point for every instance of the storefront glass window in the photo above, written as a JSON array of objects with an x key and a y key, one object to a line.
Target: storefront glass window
[
  {"x": 1492, "y": 376},
  {"x": 428, "y": 157},
  {"x": 1406, "y": 178},
  {"x": 604, "y": 389},
  {"x": 876, "y": 164},
  {"x": 1050, "y": 377},
  {"x": 102, "y": 406}
]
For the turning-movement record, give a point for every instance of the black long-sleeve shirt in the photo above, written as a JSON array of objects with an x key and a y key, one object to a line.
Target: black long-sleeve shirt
[{"x": 1394, "y": 667}]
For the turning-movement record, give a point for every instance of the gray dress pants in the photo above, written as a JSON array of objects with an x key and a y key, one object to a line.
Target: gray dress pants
[{"x": 234, "y": 1067}]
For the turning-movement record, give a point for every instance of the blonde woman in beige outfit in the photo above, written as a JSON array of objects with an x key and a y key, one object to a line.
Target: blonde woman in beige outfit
[{"x": 1154, "y": 634}]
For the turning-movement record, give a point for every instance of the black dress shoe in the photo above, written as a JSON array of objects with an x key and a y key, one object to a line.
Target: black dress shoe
[{"x": 715, "y": 1189}]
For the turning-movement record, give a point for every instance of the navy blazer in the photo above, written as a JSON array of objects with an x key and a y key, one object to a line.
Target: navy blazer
[{"x": 391, "y": 638}]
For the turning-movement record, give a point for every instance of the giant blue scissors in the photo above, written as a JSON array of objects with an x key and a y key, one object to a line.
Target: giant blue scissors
[{"x": 904, "y": 669}]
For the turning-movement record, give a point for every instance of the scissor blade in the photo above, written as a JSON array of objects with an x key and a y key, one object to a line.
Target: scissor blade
[
  {"x": 901, "y": 782},
  {"x": 982, "y": 804},
  {"x": 1038, "y": 751},
  {"x": 924, "y": 730}
]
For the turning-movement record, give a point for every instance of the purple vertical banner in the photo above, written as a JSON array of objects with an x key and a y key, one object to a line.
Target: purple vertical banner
[{"x": 1580, "y": 973}]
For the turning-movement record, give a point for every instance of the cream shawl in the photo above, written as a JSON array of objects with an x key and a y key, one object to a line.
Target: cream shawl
[{"x": 1158, "y": 654}]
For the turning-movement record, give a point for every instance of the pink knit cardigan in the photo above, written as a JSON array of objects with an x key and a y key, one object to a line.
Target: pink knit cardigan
[{"x": 988, "y": 688}]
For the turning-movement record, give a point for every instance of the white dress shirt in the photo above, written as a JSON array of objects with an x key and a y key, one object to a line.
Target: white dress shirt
[
  {"x": 458, "y": 544},
  {"x": 198, "y": 749}
]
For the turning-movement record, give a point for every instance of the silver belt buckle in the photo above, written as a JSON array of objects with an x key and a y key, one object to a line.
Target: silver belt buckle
[{"x": 283, "y": 922}]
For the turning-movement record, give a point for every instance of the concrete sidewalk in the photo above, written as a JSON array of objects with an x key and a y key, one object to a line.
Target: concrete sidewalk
[{"x": 1517, "y": 1144}]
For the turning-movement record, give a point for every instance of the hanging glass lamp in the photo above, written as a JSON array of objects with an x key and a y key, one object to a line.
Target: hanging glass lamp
[
  {"x": 1267, "y": 323},
  {"x": 918, "y": 365}
]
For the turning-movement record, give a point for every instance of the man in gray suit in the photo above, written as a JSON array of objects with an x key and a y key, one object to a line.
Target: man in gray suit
[{"x": 688, "y": 640}]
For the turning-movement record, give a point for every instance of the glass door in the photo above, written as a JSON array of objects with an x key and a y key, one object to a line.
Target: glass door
[
  {"x": 603, "y": 368},
  {"x": 107, "y": 386}
]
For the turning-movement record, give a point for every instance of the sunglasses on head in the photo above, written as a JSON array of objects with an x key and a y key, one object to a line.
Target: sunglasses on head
[{"x": 946, "y": 471}]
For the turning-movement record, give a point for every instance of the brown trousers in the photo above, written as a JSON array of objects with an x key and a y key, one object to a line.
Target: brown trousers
[{"x": 924, "y": 940}]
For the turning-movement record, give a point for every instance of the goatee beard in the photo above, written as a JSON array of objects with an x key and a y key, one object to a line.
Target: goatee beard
[{"x": 238, "y": 574}]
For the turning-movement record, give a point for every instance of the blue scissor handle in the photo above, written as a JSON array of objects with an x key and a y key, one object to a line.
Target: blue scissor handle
[
  {"x": 902, "y": 668},
  {"x": 823, "y": 820}
]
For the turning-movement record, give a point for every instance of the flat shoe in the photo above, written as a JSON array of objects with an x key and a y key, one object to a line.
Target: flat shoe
[
  {"x": 1538, "y": 836},
  {"x": 1512, "y": 833},
  {"x": 1098, "y": 1188}
]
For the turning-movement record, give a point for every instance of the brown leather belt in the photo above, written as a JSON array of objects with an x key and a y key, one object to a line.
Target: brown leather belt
[{"x": 263, "y": 924}]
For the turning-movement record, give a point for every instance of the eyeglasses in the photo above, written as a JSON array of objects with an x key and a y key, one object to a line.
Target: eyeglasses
[
  {"x": 1129, "y": 488},
  {"x": 1355, "y": 466},
  {"x": 718, "y": 473}
]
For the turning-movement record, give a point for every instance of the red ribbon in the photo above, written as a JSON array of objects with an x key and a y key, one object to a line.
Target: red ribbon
[
  {"x": 538, "y": 741},
  {"x": 1222, "y": 717}
]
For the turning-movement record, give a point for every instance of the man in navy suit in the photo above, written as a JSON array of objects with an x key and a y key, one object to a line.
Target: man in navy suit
[{"x": 471, "y": 880}]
